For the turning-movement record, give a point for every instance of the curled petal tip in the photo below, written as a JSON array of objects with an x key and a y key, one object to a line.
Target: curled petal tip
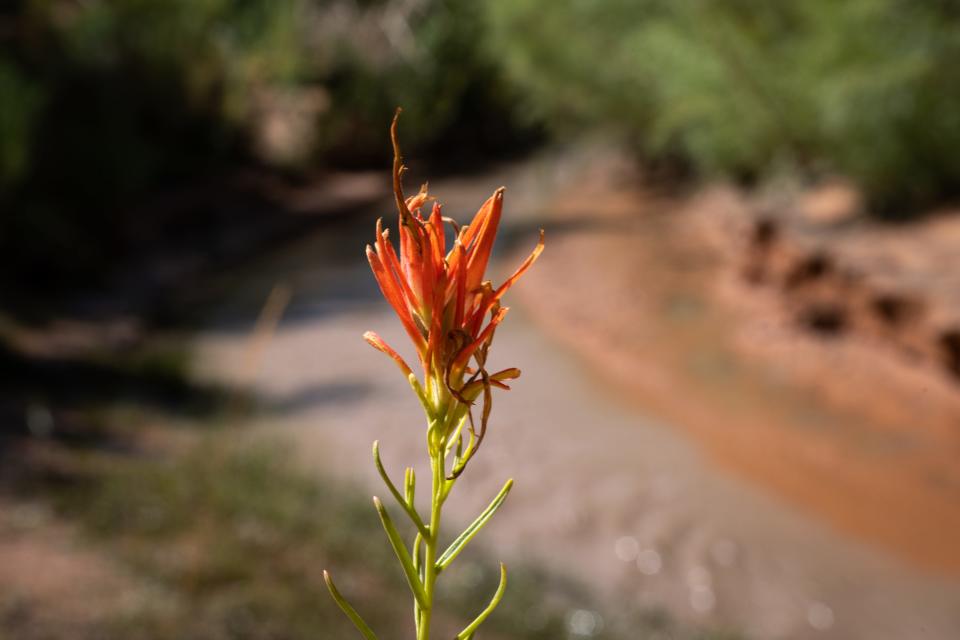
[
  {"x": 380, "y": 344},
  {"x": 374, "y": 339},
  {"x": 507, "y": 374}
]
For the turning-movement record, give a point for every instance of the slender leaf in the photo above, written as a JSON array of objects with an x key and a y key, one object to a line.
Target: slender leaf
[
  {"x": 467, "y": 633},
  {"x": 418, "y": 389},
  {"x": 407, "y": 506},
  {"x": 457, "y": 546},
  {"x": 410, "y": 487},
  {"x": 402, "y": 554},
  {"x": 417, "y": 566},
  {"x": 345, "y": 606}
]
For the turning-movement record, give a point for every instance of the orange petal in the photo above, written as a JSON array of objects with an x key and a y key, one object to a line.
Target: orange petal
[
  {"x": 507, "y": 374},
  {"x": 411, "y": 257},
  {"x": 460, "y": 278},
  {"x": 470, "y": 232},
  {"x": 389, "y": 258},
  {"x": 436, "y": 335},
  {"x": 379, "y": 344},
  {"x": 433, "y": 271},
  {"x": 489, "y": 219},
  {"x": 478, "y": 306},
  {"x": 453, "y": 260},
  {"x": 437, "y": 239},
  {"x": 509, "y": 282},
  {"x": 391, "y": 292},
  {"x": 414, "y": 203}
]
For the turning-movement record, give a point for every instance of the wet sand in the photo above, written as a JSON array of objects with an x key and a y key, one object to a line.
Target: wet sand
[
  {"x": 650, "y": 513},
  {"x": 840, "y": 427}
]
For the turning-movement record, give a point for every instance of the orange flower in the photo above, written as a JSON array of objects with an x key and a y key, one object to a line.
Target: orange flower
[{"x": 446, "y": 307}]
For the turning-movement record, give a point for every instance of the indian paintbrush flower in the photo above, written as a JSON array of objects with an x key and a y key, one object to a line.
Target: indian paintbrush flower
[{"x": 450, "y": 313}]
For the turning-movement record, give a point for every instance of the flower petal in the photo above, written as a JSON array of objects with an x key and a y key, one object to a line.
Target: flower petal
[
  {"x": 389, "y": 258},
  {"x": 526, "y": 264},
  {"x": 488, "y": 219},
  {"x": 459, "y": 277},
  {"x": 411, "y": 257},
  {"x": 435, "y": 229},
  {"x": 390, "y": 290},
  {"x": 509, "y": 282},
  {"x": 506, "y": 374},
  {"x": 380, "y": 344},
  {"x": 415, "y": 203}
]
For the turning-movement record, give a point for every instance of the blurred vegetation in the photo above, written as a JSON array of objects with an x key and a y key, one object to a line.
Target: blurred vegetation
[
  {"x": 109, "y": 102},
  {"x": 864, "y": 88},
  {"x": 106, "y": 103},
  {"x": 228, "y": 541}
]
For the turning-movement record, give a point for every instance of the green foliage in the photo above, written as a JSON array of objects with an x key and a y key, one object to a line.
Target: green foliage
[
  {"x": 20, "y": 100},
  {"x": 106, "y": 103},
  {"x": 123, "y": 96},
  {"x": 428, "y": 58},
  {"x": 866, "y": 88},
  {"x": 234, "y": 540}
]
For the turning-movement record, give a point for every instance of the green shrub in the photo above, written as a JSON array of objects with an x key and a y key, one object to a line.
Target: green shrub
[
  {"x": 20, "y": 100},
  {"x": 106, "y": 103},
  {"x": 865, "y": 88}
]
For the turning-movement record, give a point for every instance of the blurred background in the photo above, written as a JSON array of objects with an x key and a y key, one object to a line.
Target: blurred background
[{"x": 740, "y": 409}]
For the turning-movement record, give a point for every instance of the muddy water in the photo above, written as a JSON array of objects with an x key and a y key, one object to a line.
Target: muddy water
[{"x": 604, "y": 492}]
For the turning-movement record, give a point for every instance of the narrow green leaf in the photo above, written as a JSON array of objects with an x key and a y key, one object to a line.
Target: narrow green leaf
[
  {"x": 410, "y": 487},
  {"x": 407, "y": 507},
  {"x": 417, "y": 566},
  {"x": 418, "y": 389},
  {"x": 358, "y": 622},
  {"x": 467, "y": 633},
  {"x": 402, "y": 554},
  {"x": 457, "y": 546}
]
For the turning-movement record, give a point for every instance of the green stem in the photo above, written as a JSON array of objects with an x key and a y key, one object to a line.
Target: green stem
[{"x": 431, "y": 542}]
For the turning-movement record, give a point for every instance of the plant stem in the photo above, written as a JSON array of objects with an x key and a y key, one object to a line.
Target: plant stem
[{"x": 431, "y": 541}]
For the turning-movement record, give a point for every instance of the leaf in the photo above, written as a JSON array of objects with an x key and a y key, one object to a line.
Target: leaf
[
  {"x": 410, "y": 487},
  {"x": 407, "y": 506},
  {"x": 417, "y": 542},
  {"x": 345, "y": 606},
  {"x": 457, "y": 546},
  {"x": 467, "y": 633},
  {"x": 402, "y": 554}
]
